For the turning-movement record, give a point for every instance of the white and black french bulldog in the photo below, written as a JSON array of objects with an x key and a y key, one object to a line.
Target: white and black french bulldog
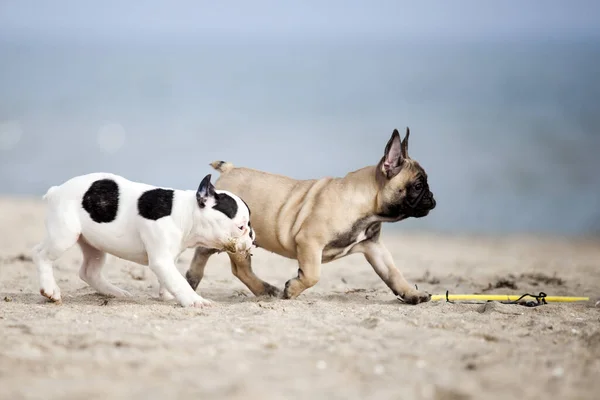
[{"x": 106, "y": 213}]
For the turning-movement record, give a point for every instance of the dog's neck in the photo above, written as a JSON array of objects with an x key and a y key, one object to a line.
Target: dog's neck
[
  {"x": 364, "y": 182},
  {"x": 368, "y": 181},
  {"x": 189, "y": 221}
]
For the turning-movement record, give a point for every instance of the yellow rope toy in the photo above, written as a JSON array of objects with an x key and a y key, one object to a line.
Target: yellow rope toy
[{"x": 506, "y": 297}]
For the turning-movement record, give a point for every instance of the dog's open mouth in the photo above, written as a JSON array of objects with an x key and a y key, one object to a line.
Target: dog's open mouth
[
  {"x": 420, "y": 213},
  {"x": 231, "y": 247}
]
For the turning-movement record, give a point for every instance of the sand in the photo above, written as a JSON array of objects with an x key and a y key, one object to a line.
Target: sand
[{"x": 346, "y": 338}]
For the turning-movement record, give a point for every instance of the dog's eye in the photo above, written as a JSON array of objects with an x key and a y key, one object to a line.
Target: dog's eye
[
  {"x": 241, "y": 228},
  {"x": 418, "y": 186}
]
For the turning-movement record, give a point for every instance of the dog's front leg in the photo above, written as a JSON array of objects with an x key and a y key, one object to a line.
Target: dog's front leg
[
  {"x": 382, "y": 262},
  {"x": 309, "y": 256},
  {"x": 170, "y": 279}
]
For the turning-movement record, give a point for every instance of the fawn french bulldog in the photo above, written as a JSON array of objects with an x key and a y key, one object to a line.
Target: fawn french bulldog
[{"x": 320, "y": 220}]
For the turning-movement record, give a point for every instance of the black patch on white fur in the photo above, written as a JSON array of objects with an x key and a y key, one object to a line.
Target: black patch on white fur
[
  {"x": 101, "y": 201},
  {"x": 156, "y": 203},
  {"x": 226, "y": 204}
]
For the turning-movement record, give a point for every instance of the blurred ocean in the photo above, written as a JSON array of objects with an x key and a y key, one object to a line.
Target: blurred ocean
[{"x": 509, "y": 132}]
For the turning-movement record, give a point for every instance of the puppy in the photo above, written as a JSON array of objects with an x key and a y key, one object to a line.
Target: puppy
[
  {"x": 148, "y": 225},
  {"x": 320, "y": 220}
]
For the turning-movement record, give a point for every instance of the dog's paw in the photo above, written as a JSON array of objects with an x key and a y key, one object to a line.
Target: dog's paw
[
  {"x": 415, "y": 297},
  {"x": 119, "y": 293},
  {"x": 192, "y": 280},
  {"x": 288, "y": 292},
  {"x": 195, "y": 301},
  {"x": 201, "y": 302},
  {"x": 53, "y": 294},
  {"x": 272, "y": 291},
  {"x": 165, "y": 295}
]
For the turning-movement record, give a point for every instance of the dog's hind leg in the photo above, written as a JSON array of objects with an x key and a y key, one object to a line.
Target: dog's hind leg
[
  {"x": 62, "y": 234},
  {"x": 195, "y": 272},
  {"x": 91, "y": 271},
  {"x": 309, "y": 269},
  {"x": 241, "y": 267}
]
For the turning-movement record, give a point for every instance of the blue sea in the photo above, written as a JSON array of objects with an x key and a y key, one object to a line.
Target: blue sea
[{"x": 508, "y": 131}]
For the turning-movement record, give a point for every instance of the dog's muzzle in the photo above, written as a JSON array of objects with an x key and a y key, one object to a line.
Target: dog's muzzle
[
  {"x": 428, "y": 202},
  {"x": 423, "y": 204}
]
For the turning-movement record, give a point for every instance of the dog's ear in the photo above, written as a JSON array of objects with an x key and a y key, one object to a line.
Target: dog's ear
[
  {"x": 393, "y": 158},
  {"x": 205, "y": 190},
  {"x": 404, "y": 149}
]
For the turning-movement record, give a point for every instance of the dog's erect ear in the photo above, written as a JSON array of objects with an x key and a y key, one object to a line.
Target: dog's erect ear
[
  {"x": 205, "y": 190},
  {"x": 405, "y": 144},
  {"x": 392, "y": 158}
]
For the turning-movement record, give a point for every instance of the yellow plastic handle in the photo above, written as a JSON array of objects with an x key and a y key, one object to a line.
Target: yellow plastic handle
[{"x": 504, "y": 297}]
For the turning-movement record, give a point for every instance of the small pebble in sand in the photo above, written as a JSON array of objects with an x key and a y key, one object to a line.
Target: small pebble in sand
[
  {"x": 321, "y": 364},
  {"x": 558, "y": 372},
  {"x": 574, "y": 331},
  {"x": 421, "y": 364},
  {"x": 271, "y": 345},
  {"x": 471, "y": 366},
  {"x": 598, "y": 303},
  {"x": 379, "y": 369}
]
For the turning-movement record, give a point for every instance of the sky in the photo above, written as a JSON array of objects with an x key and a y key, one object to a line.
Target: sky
[{"x": 121, "y": 20}]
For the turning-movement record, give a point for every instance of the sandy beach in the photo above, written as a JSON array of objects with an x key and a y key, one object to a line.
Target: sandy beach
[{"x": 346, "y": 338}]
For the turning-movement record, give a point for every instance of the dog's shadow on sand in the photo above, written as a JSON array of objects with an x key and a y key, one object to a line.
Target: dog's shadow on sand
[
  {"x": 362, "y": 298},
  {"x": 238, "y": 297},
  {"x": 92, "y": 299}
]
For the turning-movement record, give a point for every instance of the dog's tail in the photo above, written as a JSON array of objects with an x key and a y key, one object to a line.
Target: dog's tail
[
  {"x": 222, "y": 166},
  {"x": 49, "y": 192}
]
